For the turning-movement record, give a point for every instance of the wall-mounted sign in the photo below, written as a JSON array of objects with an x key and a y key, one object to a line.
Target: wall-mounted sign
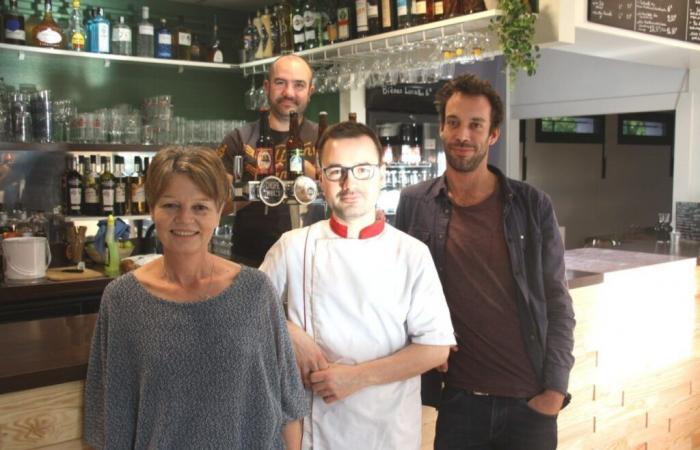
[{"x": 674, "y": 19}]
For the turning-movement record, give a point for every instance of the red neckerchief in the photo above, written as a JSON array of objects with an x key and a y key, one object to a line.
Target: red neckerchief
[{"x": 367, "y": 232}]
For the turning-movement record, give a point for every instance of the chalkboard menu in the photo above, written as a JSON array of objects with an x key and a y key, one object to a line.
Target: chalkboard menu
[{"x": 675, "y": 19}]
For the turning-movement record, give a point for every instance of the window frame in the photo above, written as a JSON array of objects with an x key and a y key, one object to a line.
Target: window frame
[
  {"x": 668, "y": 118},
  {"x": 598, "y": 137}
]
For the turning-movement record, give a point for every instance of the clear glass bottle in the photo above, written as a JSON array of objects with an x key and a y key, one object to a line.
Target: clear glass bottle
[
  {"x": 121, "y": 38},
  {"x": 164, "y": 41},
  {"x": 14, "y": 32},
  {"x": 48, "y": 33},
  {"x": 144, "y": 37},
  {"x": 183, "y": 41},
  {"x": 76, "y": 30}
]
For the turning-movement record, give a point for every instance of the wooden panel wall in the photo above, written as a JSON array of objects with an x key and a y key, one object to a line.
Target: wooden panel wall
[
  {"x": 49, "y": 417},
  {"x": 638, "y": 404}
]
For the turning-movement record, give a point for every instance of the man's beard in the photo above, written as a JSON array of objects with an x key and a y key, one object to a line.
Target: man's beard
[{"x": 462, "y": 164}]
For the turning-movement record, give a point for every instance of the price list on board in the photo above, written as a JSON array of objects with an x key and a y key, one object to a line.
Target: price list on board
[{"x": 674, "y": 19}]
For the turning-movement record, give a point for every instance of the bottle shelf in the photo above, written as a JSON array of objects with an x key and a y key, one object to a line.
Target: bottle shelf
[
  {"x": 404, "y": 166},
  {"x": 24, "y": 50},
  {"x": 73, "y": 147},
  {"x": 385, "y": 42}
]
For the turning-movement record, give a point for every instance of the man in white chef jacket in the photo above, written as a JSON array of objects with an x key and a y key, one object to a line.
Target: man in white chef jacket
[{"x": 366, "y": 311}]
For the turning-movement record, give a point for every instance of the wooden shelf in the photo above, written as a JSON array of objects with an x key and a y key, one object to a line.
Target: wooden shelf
[
  {"x": 23, "y": 50},
  {"x": 98, "y": 218}
]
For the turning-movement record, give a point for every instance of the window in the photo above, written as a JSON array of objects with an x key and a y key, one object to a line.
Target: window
[
  {"x": 589, "y": 129},
  {"x": 646, "y": 128}
]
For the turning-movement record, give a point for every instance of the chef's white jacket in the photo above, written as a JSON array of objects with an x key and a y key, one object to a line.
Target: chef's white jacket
[{"x": 362, "y": 299}]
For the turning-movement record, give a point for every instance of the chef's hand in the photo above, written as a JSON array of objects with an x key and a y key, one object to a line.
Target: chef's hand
[
  {"x": 336, "y": 382},
  {"x": 443, "y": 367},
  {"x": 308, "y": 354},
  {"x": 549, "y": 402}
]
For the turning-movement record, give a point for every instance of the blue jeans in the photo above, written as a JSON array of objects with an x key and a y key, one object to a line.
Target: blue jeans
[{"x": 480, "y": 422}]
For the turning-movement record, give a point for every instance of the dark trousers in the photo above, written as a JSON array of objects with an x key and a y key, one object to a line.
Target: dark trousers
[{"x": 481, "y": 422}]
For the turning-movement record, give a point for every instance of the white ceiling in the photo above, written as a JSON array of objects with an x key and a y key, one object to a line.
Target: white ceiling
[{"x": 238, "y": 5}]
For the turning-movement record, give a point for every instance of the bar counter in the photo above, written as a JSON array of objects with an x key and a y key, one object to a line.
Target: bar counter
[{"x": 637, "y": 338}]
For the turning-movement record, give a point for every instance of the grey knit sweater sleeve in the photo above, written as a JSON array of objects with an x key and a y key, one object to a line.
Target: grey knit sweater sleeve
[{"x": 213, "y": 374}]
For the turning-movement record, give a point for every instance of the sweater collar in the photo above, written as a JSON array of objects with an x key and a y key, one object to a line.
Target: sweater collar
[{"x": 368, "y": 232}]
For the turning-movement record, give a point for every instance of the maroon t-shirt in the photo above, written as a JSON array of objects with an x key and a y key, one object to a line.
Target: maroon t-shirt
[{"x": 481, "y": 294}]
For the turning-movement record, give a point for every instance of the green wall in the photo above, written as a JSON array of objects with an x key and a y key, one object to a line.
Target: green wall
[{"x": 197, "y": 93}]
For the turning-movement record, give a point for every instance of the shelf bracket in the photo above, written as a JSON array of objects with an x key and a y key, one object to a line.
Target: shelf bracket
[
  {"x": 107, "y": 63},
  {"x": 180, "y": 69},
  {"x": 21, "y": 55}
]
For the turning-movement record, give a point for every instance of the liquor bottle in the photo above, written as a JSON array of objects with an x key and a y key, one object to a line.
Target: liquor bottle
[
  {"x": 373, "y": 17},
  {"x": 48, "y": 33},
  {"x": 284, "y": 20},
  {"x": 248, "y": 41},
  {"x": 14, "y": 25},
  {"x": 437, "y": 12},
  {"x": 164, "y": 41},
  {"x": 260, "y": 32},
  {"x": 89, "y": 27},
  {"x": 91, "y": 203},
  {"x": 361, "y": 26},
  {"x": 329, "y": 26},
  {"x": 99, "y": 39},
  {"x": 144, "y": 38},
  {"x": 452, "y": 8},
  {"x": 76, "y": 30},
  {"x": 416, "y": 147},
  {"x": 215, "y": 54},
  {"x": 472, "y": 6},
  {"x": 311, "y": 37},
  {"x": 388, "y": 15},
  {"x": 265, "y": 148},
  {"x": 196, "y": 49},
  {"x": 183, "y": 41},
  {"x": 298, "y": 29},
  {"x": 352, "y": 117},
  {"x": 137, "y": 189},
  {"x": 419, "y": 10},
  {"x": 121, "y": 38},
  {"x": 275, "y": 31},
  {"x": 266, "y": 20},
  {"x": 344, "y": 18},
  {"x": 73, "y": 202},
  {"x": 295, "y": 148},
  {"x": 406, "y": 143},
  {"x": 106, "y": 187},
  {"x": 121, "y": 187},
  {"x": 322, "y": 125},
  {"x": 402, "y": 14}
]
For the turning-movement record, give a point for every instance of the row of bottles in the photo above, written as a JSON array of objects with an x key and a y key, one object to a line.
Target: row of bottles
[
  {"x": 307, "y": 24},
  {"x": 93, "y": 32},
  {"x": 89, "y": 191}
]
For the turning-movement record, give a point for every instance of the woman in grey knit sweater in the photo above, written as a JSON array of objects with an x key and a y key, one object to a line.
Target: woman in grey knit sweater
[{"x": 191, "y": 350}]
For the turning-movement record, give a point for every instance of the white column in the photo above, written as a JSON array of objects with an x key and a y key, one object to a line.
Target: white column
[
  {"x": 686, "y": 172},
  {"x": 353, "y": 100}
]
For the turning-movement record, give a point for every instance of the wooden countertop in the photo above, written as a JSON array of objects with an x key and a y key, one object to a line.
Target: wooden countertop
[{"x": 44, "y": 352}]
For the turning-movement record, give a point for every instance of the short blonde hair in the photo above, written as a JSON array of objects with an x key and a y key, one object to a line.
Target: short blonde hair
[{"x": 200, "y": 164}]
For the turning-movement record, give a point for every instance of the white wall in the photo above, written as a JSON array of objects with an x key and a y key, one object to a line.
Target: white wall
[{"x": 636, "y": 187}]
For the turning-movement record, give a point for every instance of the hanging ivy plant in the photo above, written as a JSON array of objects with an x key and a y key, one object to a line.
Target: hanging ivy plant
[{"x": 515, "y": 29}]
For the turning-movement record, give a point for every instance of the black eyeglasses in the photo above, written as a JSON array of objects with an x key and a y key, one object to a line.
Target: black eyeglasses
[{"x": 362, "y": 171}]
